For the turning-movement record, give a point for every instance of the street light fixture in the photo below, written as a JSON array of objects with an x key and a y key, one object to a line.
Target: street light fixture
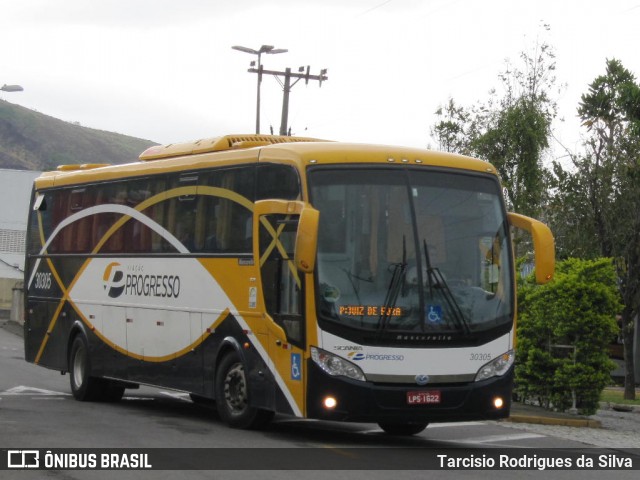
[
  {"x": 268, "y": 49},
  {"x": 11, "y": 88}
]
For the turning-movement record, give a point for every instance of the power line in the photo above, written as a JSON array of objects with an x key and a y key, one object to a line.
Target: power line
[{"x": 373, "y": 8}]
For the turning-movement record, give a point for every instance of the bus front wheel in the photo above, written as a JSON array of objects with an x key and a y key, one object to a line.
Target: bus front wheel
[
  {"x": 404, "y": 429},
  {"x": 232, "y": 395}
]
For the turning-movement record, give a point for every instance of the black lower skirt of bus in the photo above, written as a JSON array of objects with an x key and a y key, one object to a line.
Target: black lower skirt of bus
[{"x": 368, "y": 402}]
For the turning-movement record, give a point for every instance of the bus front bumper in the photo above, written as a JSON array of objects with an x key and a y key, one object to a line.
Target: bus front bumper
[{"x": 357, "y": 401}]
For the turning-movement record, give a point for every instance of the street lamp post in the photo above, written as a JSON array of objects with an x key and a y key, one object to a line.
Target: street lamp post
[{"x": 269, "y": 49}]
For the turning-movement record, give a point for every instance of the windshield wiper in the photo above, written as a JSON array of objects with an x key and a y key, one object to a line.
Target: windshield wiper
[
  {"x": 397, "y": 279},
  {"x": 438, "y": 281}
]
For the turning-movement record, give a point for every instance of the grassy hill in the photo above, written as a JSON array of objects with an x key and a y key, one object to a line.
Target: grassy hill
[{"x": 33, "y": 141}]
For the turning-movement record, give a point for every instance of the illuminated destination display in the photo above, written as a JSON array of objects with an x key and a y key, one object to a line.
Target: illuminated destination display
[{"x": 370, "y": 310}]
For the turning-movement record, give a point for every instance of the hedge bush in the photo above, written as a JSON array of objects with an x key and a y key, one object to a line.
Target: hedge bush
[{"x": 563, "y": 333}]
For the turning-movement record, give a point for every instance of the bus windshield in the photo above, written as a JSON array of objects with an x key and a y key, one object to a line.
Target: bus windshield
[{"x": 414, "y": 253}]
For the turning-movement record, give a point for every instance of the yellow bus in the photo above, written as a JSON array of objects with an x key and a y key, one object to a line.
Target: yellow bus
[{"x": 276, "y": 274}]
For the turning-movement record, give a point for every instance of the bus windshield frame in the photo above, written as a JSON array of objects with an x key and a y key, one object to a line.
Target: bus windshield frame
[{"x": 412, "y": 256}]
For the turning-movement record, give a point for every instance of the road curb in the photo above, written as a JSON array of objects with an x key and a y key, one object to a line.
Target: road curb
[{"x": 564, "y": 422}]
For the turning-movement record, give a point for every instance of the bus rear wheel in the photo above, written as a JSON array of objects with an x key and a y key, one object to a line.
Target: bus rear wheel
[
  {"x": 404, "y": 429},
  {"x": 232, "y": 396},
  {"x": 84, "y": 387}
]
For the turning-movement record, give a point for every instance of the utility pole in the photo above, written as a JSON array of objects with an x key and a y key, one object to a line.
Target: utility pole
[
  {"x": 269, "y": 49},
  {"x": 303, "y": 73}
]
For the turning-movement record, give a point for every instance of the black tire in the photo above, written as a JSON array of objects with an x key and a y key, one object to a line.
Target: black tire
[
  {"x": 232, "y": 396},
  {"x": 404, "y": 429},
  {"x": 84, "y": 387}
]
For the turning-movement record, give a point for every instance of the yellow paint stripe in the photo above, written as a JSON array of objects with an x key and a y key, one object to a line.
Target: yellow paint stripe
[
  {"x": 274, "y": 242},
  {"x": 41, "y": 231},
  {"x": 277, "y": 244},
  {"x": 47, "y": 335}
]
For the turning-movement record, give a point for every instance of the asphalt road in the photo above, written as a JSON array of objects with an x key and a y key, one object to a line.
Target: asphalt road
[{"x": 38, "y": 412}]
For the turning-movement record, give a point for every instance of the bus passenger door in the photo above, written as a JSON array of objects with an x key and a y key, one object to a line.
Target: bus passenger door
[{"x": 281, "y": 286}]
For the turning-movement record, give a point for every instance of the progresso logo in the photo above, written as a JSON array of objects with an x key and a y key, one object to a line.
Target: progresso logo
[
  {"x": 356, "y": 356},
  {"x": 376, "y": 357},
  {"x": 132, "y": 281},
  {"x": 113, "y": 280}
]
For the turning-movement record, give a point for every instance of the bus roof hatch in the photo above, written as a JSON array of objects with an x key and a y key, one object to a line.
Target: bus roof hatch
[{"x": 217, "y": 144}]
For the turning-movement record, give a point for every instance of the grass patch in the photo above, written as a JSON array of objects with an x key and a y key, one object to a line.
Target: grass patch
[{"x": 614, "y": 395}]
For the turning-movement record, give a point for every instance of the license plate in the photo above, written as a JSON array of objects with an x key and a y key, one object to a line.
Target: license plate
[{"x": 423, "y": 398}]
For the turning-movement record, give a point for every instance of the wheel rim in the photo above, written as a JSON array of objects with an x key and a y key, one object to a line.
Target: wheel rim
[
  {"x": 79, "y": 365},
  {"x": 235, "y": 389}
]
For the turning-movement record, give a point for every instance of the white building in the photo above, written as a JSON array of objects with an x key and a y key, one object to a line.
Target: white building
[{"x": 15, "y": 193}]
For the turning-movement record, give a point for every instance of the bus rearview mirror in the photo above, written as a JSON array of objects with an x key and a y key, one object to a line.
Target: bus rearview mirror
[
  {"x": 543, "y": 245},
  {"x": 307, "y": 240}
]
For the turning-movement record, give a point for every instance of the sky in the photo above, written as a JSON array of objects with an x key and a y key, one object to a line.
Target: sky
[{"x": 164, "y": 70}]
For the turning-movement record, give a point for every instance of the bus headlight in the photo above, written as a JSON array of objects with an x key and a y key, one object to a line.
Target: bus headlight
[
  {"x": 337, "y": 366},
  {"x": 496, "y": 367}
]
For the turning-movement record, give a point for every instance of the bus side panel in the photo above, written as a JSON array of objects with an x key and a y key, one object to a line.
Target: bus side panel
[
  {"x": 195, "y": 370},
  {"x": 184, "y": 372},
  {"x": 45, "y": 344},
  {"x": 38, "y": 315},
  {"x": 146, "y": 330},
  {"x": 112, "y": 362}
]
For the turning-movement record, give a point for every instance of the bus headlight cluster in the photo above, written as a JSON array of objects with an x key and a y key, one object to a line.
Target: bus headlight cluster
[
  {"x": 496, "y": 367},
  {"x": 335, "y": 365}
]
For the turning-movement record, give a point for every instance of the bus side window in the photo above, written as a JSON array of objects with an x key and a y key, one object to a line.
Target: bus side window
[
  {"x": 139, "y": 236},
  {"x": 112, "y": 193},
  {"x": 208, "y": 224},
  {"x": 277, "y": 181},
  {"x": 62, "y": 242},
  {"x": 84, "y": 226},
  {"x": 36, "y": 215},
  {"x": 101, "y": 222},
  {"x": 71, "y": 235},
  {"x": 41, "y": 215},
  {"x": 158, "y": 213},
  {"x": 183, "y": 211},
  {"x": 224, "y": 223}
]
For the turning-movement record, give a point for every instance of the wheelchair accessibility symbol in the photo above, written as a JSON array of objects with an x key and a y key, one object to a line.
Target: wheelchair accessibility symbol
[
  {"x": 296, "y": 366},
  {"x": 434, "y": 315}
]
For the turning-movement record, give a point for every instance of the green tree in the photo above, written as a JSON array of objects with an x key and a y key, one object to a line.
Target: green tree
[
  {"x": 597, "y": 204},
  {"x": 511, "y": 131},
  {"x": 451, "y": 130},
  {"x": 564, "y": 329}
]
